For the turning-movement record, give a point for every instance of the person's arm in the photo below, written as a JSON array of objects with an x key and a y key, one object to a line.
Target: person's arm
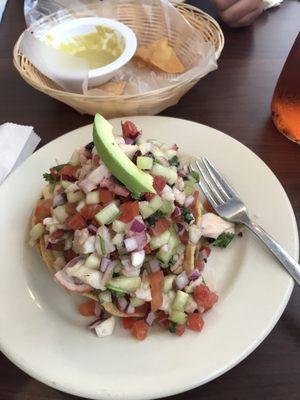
[{"x": 237, "y": 13}]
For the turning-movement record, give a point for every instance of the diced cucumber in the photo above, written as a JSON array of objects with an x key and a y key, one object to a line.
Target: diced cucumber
[
  {"x": 168, "y": 282},
  {"x": 124, "y": 283},
  {"x": 189, "y": 187},
  {"x": 108, "y": 214},
  {"x": 178, "y": 316},
  {"x": 166, "y": 172},
  {"x": 118, "y": 239},
  {"x": 60, "y": 213},
  {"x": 80, "y": 206},
  {"x": 167, "y": 207},
  {"x": 65, "y": 184},
  {"x": 180, "y": 248},
  {"x": 118, "y": 226},
  {"x": 174, "y": 239},
  {"x": 156, "y": 203},
  {"x": 74, "y": 160},
  {"x": 105, "y": 297},
  {"x": 35, "y": 233},
  {"x": 144, "y": 162},
  {"x": 74, "y": 197},
  {"x": 158, "y": 241},
  {"x": 190, "y": 306},
  {"x": 93, "y": 197},
  {"x": 145, "y": 209},
  {"x": 93, "y": 261},
  {"x": 164, "y": 256},
  {"x": 180, "y": 301},
  {"x": 135, "y": 302}
]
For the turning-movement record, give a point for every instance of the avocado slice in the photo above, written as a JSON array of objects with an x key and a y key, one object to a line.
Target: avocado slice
[{"x": 116, "y": 161}]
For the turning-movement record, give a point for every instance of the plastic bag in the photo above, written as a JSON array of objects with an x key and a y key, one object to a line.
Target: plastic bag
[{"x": 150, "y": 20}]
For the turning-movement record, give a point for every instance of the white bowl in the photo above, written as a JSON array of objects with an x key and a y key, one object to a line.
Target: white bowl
[{"x": 81, "y": 26}]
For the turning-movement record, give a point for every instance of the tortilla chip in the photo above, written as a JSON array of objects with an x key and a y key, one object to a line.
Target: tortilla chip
[
  {"x": 190, "y": 250},
  {"x": 114, "y": 88},
  {"x": 113, "y": 310},
  {"x": 159, "y": 54}
]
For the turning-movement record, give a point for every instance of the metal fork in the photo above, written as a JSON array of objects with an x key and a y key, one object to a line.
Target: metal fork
[{"x": 229, "y": 206}]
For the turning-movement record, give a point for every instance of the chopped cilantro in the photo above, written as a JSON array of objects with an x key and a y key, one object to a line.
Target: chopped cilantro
[
  {"x": 174, "y": 161},
  {"x": 187, "y": 215},
  {"x": 194, "y": 175},
  {"x": 117, "y": 293},
  {"x": 154, "y": 217},
  {"x": 136, "y": 196},
  {"x": 172, "y": 327},
  {"x": 48, "y": 178},
  {"x": 96, "y": 292},
  {"x": 223, "y": 240}
]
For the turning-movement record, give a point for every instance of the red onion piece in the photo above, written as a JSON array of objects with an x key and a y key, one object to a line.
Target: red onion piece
[
  {"x": 107, "y": 183},
  {"x": 181, "y": 229},
  {"x": 154, "y": 264},
  {"x": 108, "y": 273},
  {"x": 141, "y": 239},
  {"x": 92, "y": 229},
  {"x": 137, "y": 226},
  {"x": 194, "y": 275},
  {"x": 204, "y": 253},
  {"x": 59, "y": 199},
  {"x": 98, "y": 310},
  {"x": 122, "y": 303},
  {"x": 130, "y": 309},
  {"x": 95, "y": 323},
  {"x": 129, "y": 141},
  {"x": 137, "y": 258},
  {"x": 121, "y": 191},
  {"x": 104, "y": 264},
  {"x": 131, "y": 244},
  {"x": 189, "y": 201},
  {"x": 150, "y": 318},
  {"x": 181, "y": 280},
  {"x": 126, "y": 263},
  {"x": 176, "y": 213},
  {"x": 70, "y": 284}
]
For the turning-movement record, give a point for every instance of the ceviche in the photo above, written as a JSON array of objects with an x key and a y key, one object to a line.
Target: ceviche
[{"x": 121, "y": 223}]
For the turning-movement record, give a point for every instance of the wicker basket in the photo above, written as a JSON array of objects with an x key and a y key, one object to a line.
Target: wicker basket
[{"x": 149, "y": 103}]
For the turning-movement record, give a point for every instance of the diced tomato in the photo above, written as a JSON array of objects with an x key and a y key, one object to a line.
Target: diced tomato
[
  {"x": 129, "y": 210},
  {"x": 58, "y": 234},
  {"x": 60, "y": 246},
  {"x": 159, "y": 183},
  {"x": 43, "y": 209},
  {"x": 195, "y": 322},
  {"x": 76, "y": 222},
  {"x": 184, "y": 237},
  {"x": 179, "y": 330},
  {"x": 130, "y": 130},
  {"x": 196, "y": 198},
  {"x": 162, "y": 319},
  {"x": 54, "y": 174},
  {"x": 205, "y": 249},
  {"x": 89, "y": 211},
  {"x": 161, "y": 225},
  {"x": 144, "y": 308},
  {"x": 140, "y": 330},
  {"x": 128, "y": 322},
  {"x": 106, "y": 196},
  {"x": 207, "y": 207},
  {"x": 156, "y": 280},
  {"x": 204, "y": 297},
  {"x": 87, "y": 309},
  {"x": 149, "y": 196},
  {"x": 69, "y": 255},
  {"x": 68, "y": 170},
  {"x": 71, "y": 208},
  {"x": 148, "y": 249}
]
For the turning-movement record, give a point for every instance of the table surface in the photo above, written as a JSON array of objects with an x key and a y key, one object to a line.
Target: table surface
[{"x": 235, "y": 99}]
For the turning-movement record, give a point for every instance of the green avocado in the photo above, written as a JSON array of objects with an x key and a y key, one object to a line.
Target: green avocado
[{"x": 116, "y": 160}]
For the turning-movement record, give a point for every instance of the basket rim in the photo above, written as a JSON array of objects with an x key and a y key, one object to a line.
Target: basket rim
[{"x": 150, "y": 93}]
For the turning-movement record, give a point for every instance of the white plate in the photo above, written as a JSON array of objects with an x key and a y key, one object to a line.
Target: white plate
[{"x": 41, "y": 332}]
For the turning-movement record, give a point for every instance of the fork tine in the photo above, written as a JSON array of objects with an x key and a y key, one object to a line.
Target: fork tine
[
  {"x": 206, "y": 192},
  {"x": 209, "y": 183},
  {"x": 218, "y": 179}
]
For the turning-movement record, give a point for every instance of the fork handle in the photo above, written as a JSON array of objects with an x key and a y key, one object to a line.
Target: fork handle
[{"x": 292, "y": 267}]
